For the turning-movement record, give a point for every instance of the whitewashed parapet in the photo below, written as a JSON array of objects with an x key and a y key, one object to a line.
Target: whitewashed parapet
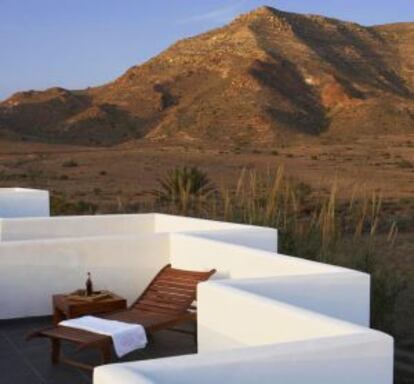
[
  {"x": 22, "y": 202},
  {"x": 262, "y": 318}
]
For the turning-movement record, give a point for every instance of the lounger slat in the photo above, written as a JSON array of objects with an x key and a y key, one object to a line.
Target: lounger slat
[
  {"x": 164, "y": 289},
  {"x": 186, "y": 287},
  {"x": 167, "y": 297},
  {"x": 173, "y": 298},
  {"x": 181, "y": 277},
  {"x": 182, "y": 272},
  {"x": 185, "y": 283},
  {"x": 173, "y": 292},
  {"x": 156, "y": 309},
  {"x": 166, "y": 305},
  {"x": 171, "y": 288},
  {"x": 164, "y": 302},
  {"x": 177, "y": 300}
]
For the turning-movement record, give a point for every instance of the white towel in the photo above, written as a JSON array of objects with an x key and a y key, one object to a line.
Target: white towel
[{"x": 126, "y": 337}]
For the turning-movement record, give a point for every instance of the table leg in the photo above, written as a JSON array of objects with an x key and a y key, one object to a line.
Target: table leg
[
  {"x": 55, "y": 356},
  {"x": 58, "y": 316},
  {"x": 106, "y": 353}
]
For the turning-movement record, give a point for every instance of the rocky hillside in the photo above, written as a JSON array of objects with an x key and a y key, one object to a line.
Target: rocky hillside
[{"x": 267, "y": 77}]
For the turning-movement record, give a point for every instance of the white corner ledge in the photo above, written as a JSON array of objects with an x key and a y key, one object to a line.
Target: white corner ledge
[{"x": 23, "y": 202}]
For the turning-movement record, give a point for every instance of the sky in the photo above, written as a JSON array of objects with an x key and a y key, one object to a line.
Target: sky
[{"x": 79, "y": 43}]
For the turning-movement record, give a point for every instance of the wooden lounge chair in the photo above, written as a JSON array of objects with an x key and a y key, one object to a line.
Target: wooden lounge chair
[{"x": 165, "y": 303}]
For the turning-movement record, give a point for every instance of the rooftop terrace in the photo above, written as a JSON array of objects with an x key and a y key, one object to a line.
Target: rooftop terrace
[{"x": 263, "y": 318}]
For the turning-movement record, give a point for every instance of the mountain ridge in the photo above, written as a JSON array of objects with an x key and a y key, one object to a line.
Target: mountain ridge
[{"x": 266, "y": 77}]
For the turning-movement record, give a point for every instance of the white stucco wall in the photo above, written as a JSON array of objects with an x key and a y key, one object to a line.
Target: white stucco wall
[
  {"x": 269, "y": 318},
  {"x": 75, "y": 226},
  {"x": 21, "y": 202},
  {"x": 263, "y": 318},
  {"x": 341, "y": 294},
  {"x": 122, "y": 224},
  {"x": 31, "y": 271},
  {"x": 50, "y": 255},
  {"x": 364, "y": 358},
  {"x": 231, "y": 317},
  {"x": 171, "y": 224},
  {"x": 194, "y": 252},
  {"x": 232, "y": 233}
]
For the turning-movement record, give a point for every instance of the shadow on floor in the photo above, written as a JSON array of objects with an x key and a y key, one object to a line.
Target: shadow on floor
[{"x": 23, "y": 362}]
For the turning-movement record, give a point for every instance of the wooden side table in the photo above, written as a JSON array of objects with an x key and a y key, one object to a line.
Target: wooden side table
[{"x": 66, "y": 308}]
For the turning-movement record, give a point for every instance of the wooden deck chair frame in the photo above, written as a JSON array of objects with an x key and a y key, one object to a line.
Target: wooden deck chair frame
[{"x": 166, "y": 302}]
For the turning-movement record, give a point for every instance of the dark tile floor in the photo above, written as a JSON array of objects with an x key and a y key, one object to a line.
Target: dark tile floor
[{"x": 23, "y": 362}]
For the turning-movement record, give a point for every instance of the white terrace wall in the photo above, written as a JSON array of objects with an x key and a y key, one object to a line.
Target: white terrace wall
[
  {"x": 364, "y": 358},
  {"x": 231, "y": 317},
  {"x": 133, "y": 224},
  {"x": 171, "y": 223},
  {"x": 41, "y": 256},
  {"x": 75, "y": 226},
  {"x": 254, "y": 326},
  {"x": 342, "y": 294},
  {"x": 270, "y": 318},
  {"x": 264, "y": 277},
  {"x": 263, "y": 318},
  {"x": 21, "y": 202},
  {"x": 200, "y": 252},
  {"x": 31, "y": 271},
  {"x": 248, "y": 235}
]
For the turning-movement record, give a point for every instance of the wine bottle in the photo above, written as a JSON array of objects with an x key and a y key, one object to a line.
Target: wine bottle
[{"x": 89, "y": 285}]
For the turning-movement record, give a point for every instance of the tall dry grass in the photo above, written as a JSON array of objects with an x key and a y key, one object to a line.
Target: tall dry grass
[{"x": 311, "y": 225}]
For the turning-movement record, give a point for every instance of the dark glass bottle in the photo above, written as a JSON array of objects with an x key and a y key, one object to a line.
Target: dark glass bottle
[{"x": 89, "y": 285}]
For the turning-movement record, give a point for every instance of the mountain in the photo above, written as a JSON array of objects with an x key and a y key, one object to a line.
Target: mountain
[{"x": 267, "y": 77}]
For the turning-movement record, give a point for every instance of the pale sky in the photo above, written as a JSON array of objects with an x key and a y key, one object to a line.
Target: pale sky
[{"x": 80, "y": 43}]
